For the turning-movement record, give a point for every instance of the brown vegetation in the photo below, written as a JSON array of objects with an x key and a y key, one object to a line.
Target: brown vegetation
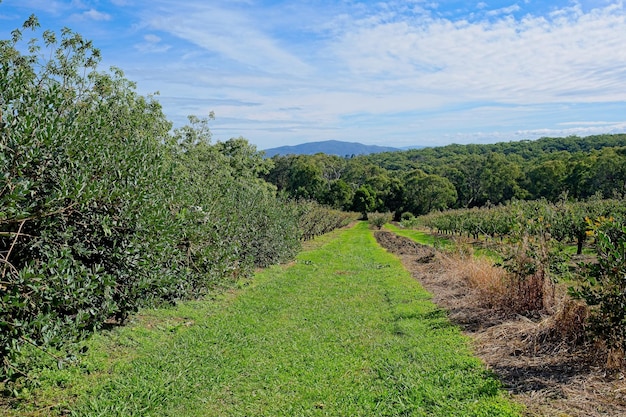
[{"x": 543, "y": 358}]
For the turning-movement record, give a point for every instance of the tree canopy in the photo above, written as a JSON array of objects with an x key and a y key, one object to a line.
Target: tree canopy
[{"x": 459, "y": 176}]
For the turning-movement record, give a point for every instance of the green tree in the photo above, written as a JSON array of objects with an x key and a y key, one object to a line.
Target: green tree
[
  {"x": 500, "y": 179},
  {"x": 604, "y": 287},
  {"x": 427, "y": 192},
  {"x": 103, "y": 210},
  {"x": 339, "y": 195},
  {"x": 607, "y": 174},
  {"x": 364, "y": 200},
  {"x": 548, "y": 179},
  {"x": 305, "y": 180}
]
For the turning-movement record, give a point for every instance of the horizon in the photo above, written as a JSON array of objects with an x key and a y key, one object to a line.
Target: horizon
[
  {"x": 390, "y": 73},
  {"x": 410, "y": 147}
]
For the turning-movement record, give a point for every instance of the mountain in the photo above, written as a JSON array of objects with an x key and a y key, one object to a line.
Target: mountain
[{"x": 329, "y": 147}]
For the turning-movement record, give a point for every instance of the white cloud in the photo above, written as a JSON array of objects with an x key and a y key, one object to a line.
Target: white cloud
[
  {"x": 96, "y": 15},
  {"x": 569, "y": 58},
  {"x": 406, "y": 75},
  {"x": 152, "y": 44},
  {"x": 504, "y": 11},
  {"x": 91, "y": 14},
  {"x": 621, "y": 124},
  {"x": 230, "y": 33}
]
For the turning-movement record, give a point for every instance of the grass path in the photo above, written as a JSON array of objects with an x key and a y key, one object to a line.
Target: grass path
[
  {"x": 345, "y": 331},
  {"x": 419, "y": 236}
]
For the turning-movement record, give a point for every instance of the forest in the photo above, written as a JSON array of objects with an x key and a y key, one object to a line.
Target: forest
[{"x": 458, "y": 176}]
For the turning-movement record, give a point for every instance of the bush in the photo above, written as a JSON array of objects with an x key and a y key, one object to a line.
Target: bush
[
  {"x": 604, "y": 288},
  {"x": 317, "y": 219},
  {"x": 530, "y": 288},
  {"x": 80, "y": 152},
  {"x": 407, "y": 216},
  {"x": 379, "y": 219},
  {"x": 104, "y": 210}
]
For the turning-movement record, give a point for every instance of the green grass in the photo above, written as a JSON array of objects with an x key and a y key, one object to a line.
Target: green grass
[
  {"x": 420, "y": 236},
  {"x": 426, "y": 238},
  {"x": 344, "y": 331}
]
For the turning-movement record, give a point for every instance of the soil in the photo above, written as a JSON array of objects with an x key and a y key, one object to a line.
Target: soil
[{"x": 549, "y": 374}]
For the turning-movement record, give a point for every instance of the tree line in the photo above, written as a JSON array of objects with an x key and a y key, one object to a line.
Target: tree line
[{"x": 458, "y": 176}]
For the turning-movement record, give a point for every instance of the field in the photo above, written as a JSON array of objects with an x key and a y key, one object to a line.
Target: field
[{"x": 343, "y": 331}]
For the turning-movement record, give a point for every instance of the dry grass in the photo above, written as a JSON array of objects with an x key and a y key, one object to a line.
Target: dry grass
[{"x": 486, "y": 280}]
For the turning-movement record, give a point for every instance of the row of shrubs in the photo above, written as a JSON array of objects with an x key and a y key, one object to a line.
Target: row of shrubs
[
  {"x": 317, "y": 219},
  {"x": 105, "y": 209},
  {"x": 539, "y": 276}
]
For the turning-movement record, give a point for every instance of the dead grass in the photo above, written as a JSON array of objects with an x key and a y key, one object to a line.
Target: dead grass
[
  {"x": 544, "y": 359},
  {"x": 487, "y": 281}
]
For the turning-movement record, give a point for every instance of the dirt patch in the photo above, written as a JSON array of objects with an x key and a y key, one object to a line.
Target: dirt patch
[
  {"x": 403, "y": 246},
  {"x": 549, "y": 375}
]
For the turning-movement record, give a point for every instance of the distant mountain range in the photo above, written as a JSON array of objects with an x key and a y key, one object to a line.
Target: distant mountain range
[{"x": 329, "y": 147}]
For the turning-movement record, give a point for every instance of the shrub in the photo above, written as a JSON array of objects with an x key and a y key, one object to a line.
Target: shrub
[
  {"x": 317, "y": 219},
  {"x": 604, "y": 288},
  {"x": 530, "y": 288},
  {"x": 80, "y": 152},
  {"x": 379, "y": 219},
  {"x": 407, "y": 216},
  {"x": 104, "y": 210}
]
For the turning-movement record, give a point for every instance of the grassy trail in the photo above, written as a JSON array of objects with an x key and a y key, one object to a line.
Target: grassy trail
[
  {"x": 419, "y": 236},
  {"x": 345, "y": 331}
]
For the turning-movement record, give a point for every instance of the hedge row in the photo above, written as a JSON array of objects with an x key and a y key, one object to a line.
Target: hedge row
[{"x": 104, "y": 209}]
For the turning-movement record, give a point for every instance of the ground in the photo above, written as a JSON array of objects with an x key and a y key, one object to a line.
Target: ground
[{"x": 541, "y": 370}]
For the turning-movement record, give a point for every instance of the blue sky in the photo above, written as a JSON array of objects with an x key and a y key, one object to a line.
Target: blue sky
[{"x": 396, "y": 73}]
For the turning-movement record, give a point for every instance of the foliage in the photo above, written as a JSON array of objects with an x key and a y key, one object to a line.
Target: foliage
[
  {"x": 105, "y": 210},
  {"x": 529, "y": 284},
  {"x": 537, "y": 232},
  {"x": 459, "y": 176},
  {"x": 561, "y": 222},
  {"x": 604, "y": 285},
  {"x": 80, "y": 151},
  {"x": 317, "y": 219},
  {"x": 378, "y": 220},
  {"x": 364, "y": 200},
  {"x": 424, "y": 193},
  {"x": 407, "y": 216}
]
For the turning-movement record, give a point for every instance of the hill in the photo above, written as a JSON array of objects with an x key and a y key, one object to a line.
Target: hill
[{"x": 329, "y": 147}]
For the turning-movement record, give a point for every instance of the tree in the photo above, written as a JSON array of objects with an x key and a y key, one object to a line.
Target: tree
[
  {"x": 547, "y": 180},
  {"x": 305, "y": 179},
  {"x": 427, "y": 192},
  {"x": 607, "y": 174},
  {"x": 339, "y": 195},
  {"x": 500, "y": 179},
  {"x": 604, "y": 288},
  {"x": 82, "y": 158},
  {"x": 364, "y": 200},
  {"x": 104, "y": 210},
  {"x": 393, "y": 197}
]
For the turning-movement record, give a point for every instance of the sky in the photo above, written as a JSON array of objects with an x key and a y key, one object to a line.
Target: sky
[{"x": 392, "y": 73}]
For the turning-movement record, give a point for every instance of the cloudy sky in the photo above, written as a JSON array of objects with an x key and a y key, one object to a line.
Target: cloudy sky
[{"x": 396, "y": 73}]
